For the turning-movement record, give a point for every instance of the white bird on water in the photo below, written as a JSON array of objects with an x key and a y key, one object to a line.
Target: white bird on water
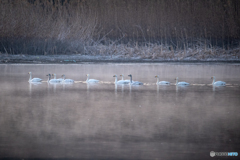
[
  {"x": 126, "y": 80},
  {"x": 120, "y": 81},
  {"x": 91, "y": 80},
  {"x": 53, "y": 80},
  {"x": 134, "y": 82},
  {"x": 67, "y": 80},
  {"x": 55, "y": 77},
  {"x": 161, "y": 82},
  {"x": 218, "y": 83},
  {"x": 181, "y": 83},
  {"x": 33, "y": 79}
]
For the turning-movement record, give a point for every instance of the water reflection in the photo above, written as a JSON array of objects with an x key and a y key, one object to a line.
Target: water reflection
[
  {"x": 31, "y": 84},
  {"x": 213, "y": 88},
  {"x": 115, "y": 90},
  {"x": 96, "y": 121}
]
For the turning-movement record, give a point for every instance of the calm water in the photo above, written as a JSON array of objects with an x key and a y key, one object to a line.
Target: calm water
[{"x": 105, "y": 121}]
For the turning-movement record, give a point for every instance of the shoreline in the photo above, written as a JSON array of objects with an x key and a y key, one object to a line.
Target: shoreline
[{"x": 76, "y": 59}]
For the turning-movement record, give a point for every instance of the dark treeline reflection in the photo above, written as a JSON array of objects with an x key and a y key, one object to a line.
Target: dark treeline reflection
[{"x": 79, "y": 26}]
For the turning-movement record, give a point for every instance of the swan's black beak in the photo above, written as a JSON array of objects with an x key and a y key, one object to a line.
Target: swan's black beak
[{"x": 129, "y": 75}]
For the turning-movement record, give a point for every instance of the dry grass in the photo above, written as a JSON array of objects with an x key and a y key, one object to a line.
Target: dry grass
[
  {"x": 87, "y": 27},
  {"x": 155, "y": 51}
]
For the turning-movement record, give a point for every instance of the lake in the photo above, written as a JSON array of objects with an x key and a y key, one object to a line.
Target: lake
[{"x": 104, "y": 121}]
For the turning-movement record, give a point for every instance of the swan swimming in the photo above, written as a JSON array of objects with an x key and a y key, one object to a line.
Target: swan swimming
[
  {"x": 91, "y": 80},
  {"x": 161, "y": 82},
  {"x": 53, "y": 80},
  {"x": 120, "y": 81},
  {"x": 134, "y": 82},
  {"x": 181, "y": 83},
  {"x": 218, "y": 83},
  {"x": 55, "y": 77},
  {"x": 67, "y": 80},
  {"x": 33, "y": 79},
  {"x": 127, "y": 80}
]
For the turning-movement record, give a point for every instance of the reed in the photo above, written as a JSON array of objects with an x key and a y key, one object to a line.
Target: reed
[{"x": 149, "y": 29}]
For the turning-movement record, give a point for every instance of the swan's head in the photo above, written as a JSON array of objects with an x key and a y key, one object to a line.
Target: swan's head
[
  {"x": 114, "y": 75},
  {"x": 130, "y": 75},
  {"x": 63, "y": 75},
  {"x": 212, "y": 77},
  {"x": 53, "y": 74},
  {"x": 157, "y": 76},
  {"x": 176, "y": 78},
  {"x": 121, "y": 75},
  {"x": 48, "y": 75},
  {"x": 87, "y": 75},
  {"x": 29, "y": 72}
]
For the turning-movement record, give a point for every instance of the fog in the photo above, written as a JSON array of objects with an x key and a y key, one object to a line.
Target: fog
[{"x": 104, "y": 121}]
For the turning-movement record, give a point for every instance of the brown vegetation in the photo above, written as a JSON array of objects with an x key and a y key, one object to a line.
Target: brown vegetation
[{"x": 148, "y": 29}]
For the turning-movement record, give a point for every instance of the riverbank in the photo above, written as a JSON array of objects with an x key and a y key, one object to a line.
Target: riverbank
[{"x": 71, "y": 59}]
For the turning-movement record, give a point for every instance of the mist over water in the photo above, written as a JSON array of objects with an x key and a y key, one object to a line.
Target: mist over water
[{"x": 104, "y": 121}]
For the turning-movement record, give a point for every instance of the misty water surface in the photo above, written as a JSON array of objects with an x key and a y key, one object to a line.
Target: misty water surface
[{"x": 104, "y": 121}]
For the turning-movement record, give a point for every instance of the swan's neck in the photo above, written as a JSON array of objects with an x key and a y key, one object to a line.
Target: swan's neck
[
  {"x": 87, "y": 78},
  {"x": 64, "y": 77},
  {"x": 131, "y": 79},
  {"x": 122, "y": 77},
  {"x": 157, "y": 80},
  {"x": 176, "y": 81},
  {"x": 30, "y": 78},
  {"x": 55, "y": 77},
  {"x": 115, "y": 79},
  {"x": 213, "y": 81},
  {"x": 49, "y": 77}
]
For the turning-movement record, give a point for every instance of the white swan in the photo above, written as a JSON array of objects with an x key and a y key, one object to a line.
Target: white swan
[
  {"x": 181, "y": 83},
  {"x": 120, "y": 81},
  {"x": 127, "y": 80},
  {"x": 134, "y": 82},
  {"x": 55, "y": 77},
  {"x": 91, "y": 80},
  {"x": 161, "y": 82},
  {"x": 67, "y": 80},
  {"x": 218, "y": 83},
  {"x": 53, "y": 80},
  {"x": 33, "y": 79}
]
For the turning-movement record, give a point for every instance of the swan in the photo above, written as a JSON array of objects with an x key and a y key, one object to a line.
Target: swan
[
  {"x": 52, "y": 80},
  {"x": 218, "y": 83},
  {"x": 134, "y": 82},
  {"x": 91, "y": 80},
  {"x": 33, "y": 79},
  {"x": 181, "y": 83},
  {"x": 55, "y": 77},
  {"x": 67, "y": 80},
  {"x": 127, "y": 80},
  {"x": 161, "y": 82},
  {"x": 119, "y": 82}
]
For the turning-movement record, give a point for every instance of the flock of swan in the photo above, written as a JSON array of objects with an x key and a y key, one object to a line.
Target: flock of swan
[{"x": 130, "y": 82}]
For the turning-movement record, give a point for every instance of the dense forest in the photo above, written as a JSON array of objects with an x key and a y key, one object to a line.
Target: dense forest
[{"x": 146, "y": 28}]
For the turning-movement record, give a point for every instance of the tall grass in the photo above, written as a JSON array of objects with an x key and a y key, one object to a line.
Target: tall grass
[
  {"x": 46, "y": 28},
  {"x": 149, "y": 29}
]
